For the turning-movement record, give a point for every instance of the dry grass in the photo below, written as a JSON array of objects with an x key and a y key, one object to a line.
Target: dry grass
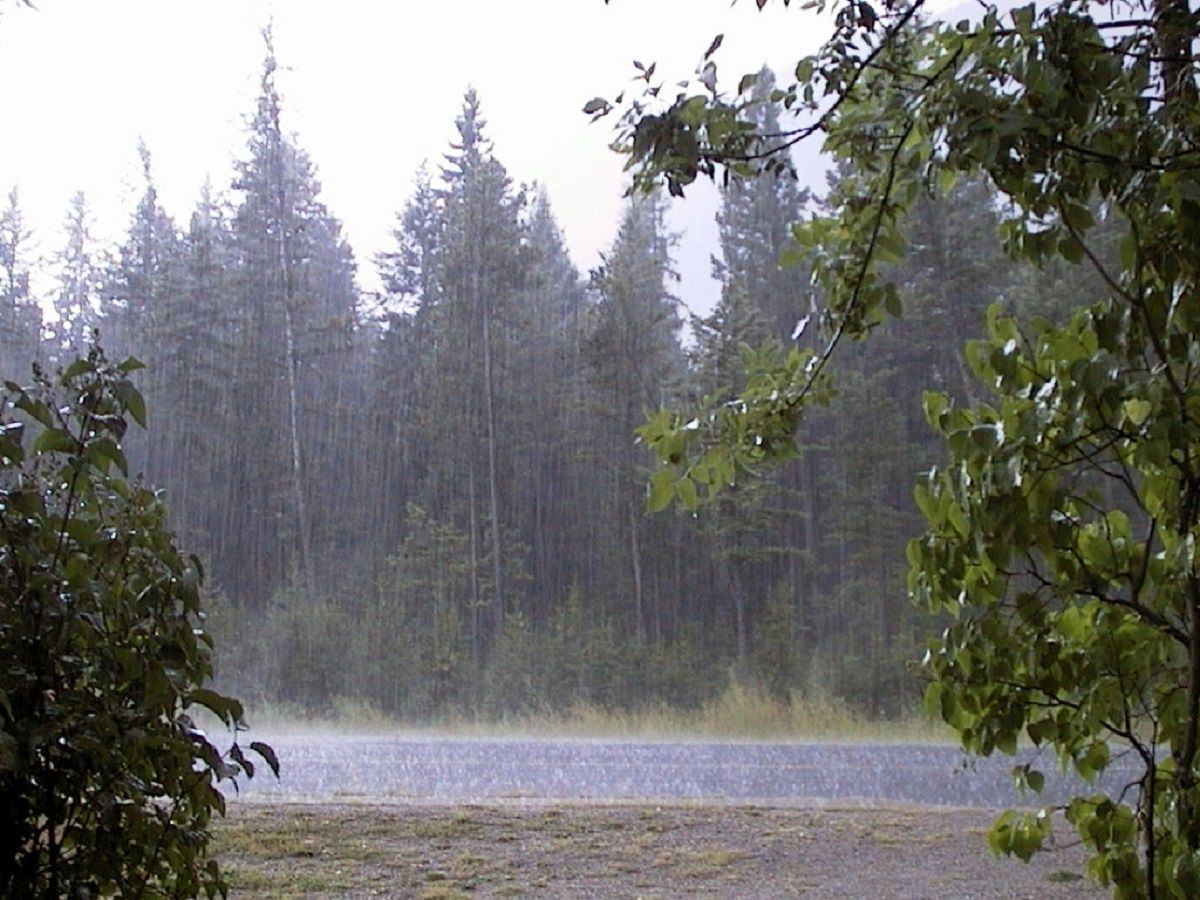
[{"x": 739, "y": 713}]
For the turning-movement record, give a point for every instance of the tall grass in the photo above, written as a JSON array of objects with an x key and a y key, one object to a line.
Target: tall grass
[{"x": 739, "y": 713}]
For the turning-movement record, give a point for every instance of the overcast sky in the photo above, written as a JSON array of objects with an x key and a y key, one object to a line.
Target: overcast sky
[{"x": 370, "y": 90}]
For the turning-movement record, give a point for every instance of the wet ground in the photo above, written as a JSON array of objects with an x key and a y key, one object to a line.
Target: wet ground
[
  {"x": 385, "y": 769},
  {"x": 581, "y": 849}
]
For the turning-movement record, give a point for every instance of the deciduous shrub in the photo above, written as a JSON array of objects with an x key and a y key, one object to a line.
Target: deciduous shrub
[{"x": 107, "y": 785}]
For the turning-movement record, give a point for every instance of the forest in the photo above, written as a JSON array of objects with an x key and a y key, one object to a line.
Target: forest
[
  {"x": 433, "y": 501},
  {"x": 944, "y": 409}
]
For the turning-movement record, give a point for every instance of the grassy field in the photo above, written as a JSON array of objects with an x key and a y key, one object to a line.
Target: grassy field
[
  {"x": 627, "y": 850},
  {"x": 737, "y": 714}
]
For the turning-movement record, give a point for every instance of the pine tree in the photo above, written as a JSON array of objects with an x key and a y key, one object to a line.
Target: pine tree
[
  {"x": 403, "y": 365},
  {"x": 294, "y": 321},
  {"x": 483, "y": 271},
  {"x": 737, "y": 524},
  {"x": 196, "y": 333},
  {"x": 634, "y": 363},
  {"x": 78, "y": 275},
  {"x": 140, "y": 294},
  {"x": 765, "y": 533},
  {"x": 875, "y": 444},
  {"x": 544, "y": 402},
  {"x": 20, "y": 315},
  {"x": 754, "y": 230}
]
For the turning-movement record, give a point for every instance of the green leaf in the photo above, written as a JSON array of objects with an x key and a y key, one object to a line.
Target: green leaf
[
  {"x": 105, "y": 450},
  {"x": 1071, "y": 249},
  {"x": 236, "y": 754},
  {"x": 77, "y": 368},
  {"x": 685, "y": 488},
  {"x": 1074, "y": 623},
  {"x": 55, "y": 440},
  {"x": 891, "y": 303},
  {"x": 130, "y": 364},
  {"x": 132, "y": 399},
  {"x": 268, "y": 754},
  {"x": 1137, "y": 411},
  {"x": 1093, "y": 761},
  {"x": 933, "y": 699},
  {"x": 934, "y": 403},
  {"x": 661, "y": 490},
  {"x": 1000, "y": 835},
  {"x": 36, "y": 409},
  {"x": 226, "y": 709},
  {"x": 82, "y": 531}
]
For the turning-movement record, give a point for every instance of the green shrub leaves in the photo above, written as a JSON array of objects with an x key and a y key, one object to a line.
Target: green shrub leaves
[{"x": 107, "y": 783}]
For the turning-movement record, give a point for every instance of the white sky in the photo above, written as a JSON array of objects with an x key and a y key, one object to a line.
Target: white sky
[{"x": 370, "y": 90}]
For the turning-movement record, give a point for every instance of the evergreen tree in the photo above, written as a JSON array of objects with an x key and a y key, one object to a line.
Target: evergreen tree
[
  {"x": 635, "y": 364},
  {"x": 738, "y": 524},
  {"x": 141, "y": 292},
  {"x": 294, "y": 318},
  {"x": 20, "y": 315},
  {"x": 754, "y": 230},
  {"x": 545, "y": 402},
  {"x": 483, "y": 270},
  {"x": 78, "y": 275},
  {"x": 874, "y": 444},
  {"x": 403, "y": 377},
  {"x": 763, "y": 532},
  {"x": 199, "y": 333}
]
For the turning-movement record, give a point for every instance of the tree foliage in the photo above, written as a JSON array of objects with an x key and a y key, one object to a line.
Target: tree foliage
[
  {"x": 1062, "y": 530},
  {"x": 107, "y": 783}
]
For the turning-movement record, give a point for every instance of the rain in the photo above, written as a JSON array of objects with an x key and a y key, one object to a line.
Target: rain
[
  {"x": 525, "y": 414},
  {"x": 382, "y": 768}
]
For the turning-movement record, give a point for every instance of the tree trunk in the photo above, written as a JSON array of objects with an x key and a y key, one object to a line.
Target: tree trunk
[
  {"x": 738, "y": 595},
  {"x": 493, "y": 487},
  {"x": 473, "y": 525},
  {"x": 810, "y": 549},
  {"x": 299, "y": 494},
  {"x": 635, "y": 552}
]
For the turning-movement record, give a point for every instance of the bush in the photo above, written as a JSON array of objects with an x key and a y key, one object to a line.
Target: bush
[{"x": 106, "y": 784}]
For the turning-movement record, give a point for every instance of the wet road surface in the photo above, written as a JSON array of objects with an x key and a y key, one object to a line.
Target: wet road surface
[{"x": 377, "y": 768}]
